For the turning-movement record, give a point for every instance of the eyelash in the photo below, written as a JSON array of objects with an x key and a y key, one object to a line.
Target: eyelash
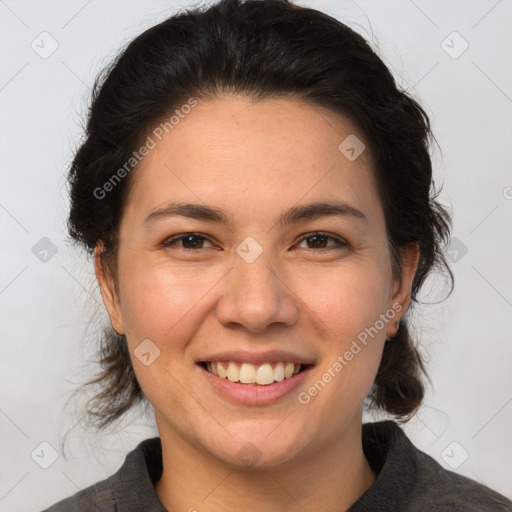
[{"x": 340, "y": 243}]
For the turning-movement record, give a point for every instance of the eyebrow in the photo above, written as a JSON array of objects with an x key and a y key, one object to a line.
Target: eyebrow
[{"x": 294, "y": 215}]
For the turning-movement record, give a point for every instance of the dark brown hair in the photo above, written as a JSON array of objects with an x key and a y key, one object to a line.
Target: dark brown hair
[{"x": 261, "y": 49}]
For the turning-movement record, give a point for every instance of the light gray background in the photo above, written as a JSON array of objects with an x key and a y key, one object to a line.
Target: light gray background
[{"x": 47, "y": 309}]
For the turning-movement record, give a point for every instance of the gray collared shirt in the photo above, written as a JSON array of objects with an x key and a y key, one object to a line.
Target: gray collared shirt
[{"x": 408, "y": 480}]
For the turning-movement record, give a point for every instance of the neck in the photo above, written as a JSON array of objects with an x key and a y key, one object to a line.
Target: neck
[{"x": 329, "y": 479}]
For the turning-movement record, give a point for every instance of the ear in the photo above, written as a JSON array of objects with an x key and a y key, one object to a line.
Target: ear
[
  {"x": 402, "y": 286},
  {"x": 108, "y": 291}
]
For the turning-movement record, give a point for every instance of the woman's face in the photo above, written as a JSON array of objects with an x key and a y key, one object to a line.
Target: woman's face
[{"x": 272, "y": 250}]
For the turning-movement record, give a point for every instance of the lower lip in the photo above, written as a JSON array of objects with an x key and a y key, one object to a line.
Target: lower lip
[{"x": 256, "y": 394}]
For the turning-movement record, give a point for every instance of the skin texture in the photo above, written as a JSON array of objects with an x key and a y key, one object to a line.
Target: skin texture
[{"x": 255, "y": 160}]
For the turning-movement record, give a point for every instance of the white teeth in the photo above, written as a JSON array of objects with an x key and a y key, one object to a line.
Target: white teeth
[
  {"x": 288, "y": 370},
  {"x": 220, "y": 370},
  {"x": 265, "y": 375},
  {"x": 247, "y": 373},
  {"x": 233, "y": 373},
  {"x": 279, "y": 372}
]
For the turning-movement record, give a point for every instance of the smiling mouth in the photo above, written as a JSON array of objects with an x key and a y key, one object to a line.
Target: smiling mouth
[{"x": 246, "y": 373}]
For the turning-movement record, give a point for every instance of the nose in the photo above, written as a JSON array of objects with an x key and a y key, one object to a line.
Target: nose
[{"x": 255, "y": 296}]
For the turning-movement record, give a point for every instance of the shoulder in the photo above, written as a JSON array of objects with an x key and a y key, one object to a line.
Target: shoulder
[
  {"x": 96, "y": 498},
  {"x": 414, "y": 481},
  {"x": 448, "y": 491},
  {"x": 129, "y": 489}
]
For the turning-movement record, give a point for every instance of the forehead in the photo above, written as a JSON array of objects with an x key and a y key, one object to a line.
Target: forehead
[{"x": 239, "y": 152}]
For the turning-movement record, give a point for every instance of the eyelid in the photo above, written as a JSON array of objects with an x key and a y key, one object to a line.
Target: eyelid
[
  {"x": 170, "y": 241},
  {"x": 341, "y": 242}
]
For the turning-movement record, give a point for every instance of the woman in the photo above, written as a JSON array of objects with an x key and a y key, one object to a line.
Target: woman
[{"x": 258, "y": 197}]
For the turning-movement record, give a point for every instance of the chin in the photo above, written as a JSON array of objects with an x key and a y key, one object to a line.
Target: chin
[{"x": 257, "y": 451}]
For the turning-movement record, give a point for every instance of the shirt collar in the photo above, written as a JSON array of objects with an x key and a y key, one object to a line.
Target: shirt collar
[
  {"x": 396, "y": 462},
  {"x": 133, "y": 484},
  {"x": 388, "y": 450}
]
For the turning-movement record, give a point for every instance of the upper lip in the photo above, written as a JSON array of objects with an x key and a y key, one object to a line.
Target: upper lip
[{"x": 269, "y": 356}]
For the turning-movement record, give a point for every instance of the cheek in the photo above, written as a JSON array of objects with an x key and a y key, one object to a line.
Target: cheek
[
  {"x": 164, "y": 305},
  {"x": 346, "y": 305},
  {"x": 346, "y": 299},
  {"x": 347, "y": 310}
]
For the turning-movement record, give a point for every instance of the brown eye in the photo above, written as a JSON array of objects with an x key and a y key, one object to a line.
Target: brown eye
[
  {"x": 188, "y": 241},
  {"x": 322, "y": 241}
]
